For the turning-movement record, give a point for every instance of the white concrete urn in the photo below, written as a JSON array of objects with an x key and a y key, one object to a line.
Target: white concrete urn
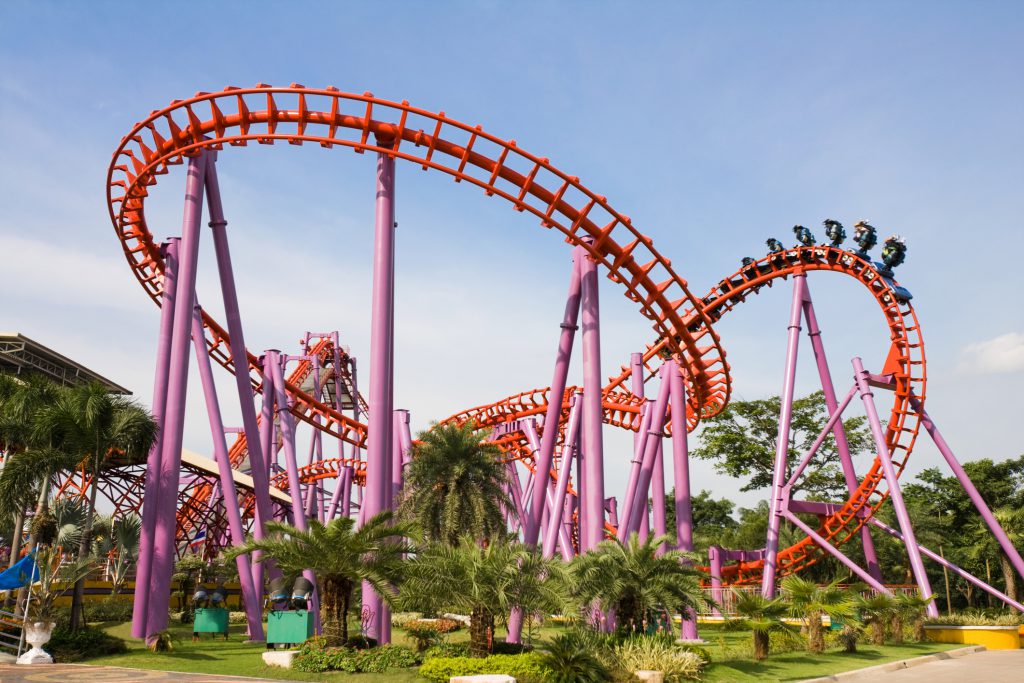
[{"x": 37, "y": 634}]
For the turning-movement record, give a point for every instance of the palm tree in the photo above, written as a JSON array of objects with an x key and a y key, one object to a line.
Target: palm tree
[
  {"x": 636, "y": 582},
  {"x": 762, "y": 616},
  {"x": 909, "y": 606},
  {"x": 456, "y": 484},
  {"x": 341, "y": 557},
  {"x": 985, "y": 544},
  {"x": 486, "y": 581},
  {"x": 127, "y": 535},
  {"x": 812, "y": 602},
  {"x": 877, "y": 611},
  {"x": 569, "y": 660},
  {"x": 96, "y": 426}
]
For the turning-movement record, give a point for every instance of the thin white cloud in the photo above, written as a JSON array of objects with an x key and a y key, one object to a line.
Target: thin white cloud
[{"x": 1004, "y": 353}]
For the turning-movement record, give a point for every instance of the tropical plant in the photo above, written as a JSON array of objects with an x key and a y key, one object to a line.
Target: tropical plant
[
  {"x": 812, "y": 602},
  {"x": 877, "y": 612},
  {"x": 762, "y": 616},
  {"x": 341, "y": 557},
  {"x": 55, "y": 573},
  {"x": 95, "y": 426},
  {"x": 126, "y": 536},
  {"x": 486, "y": 581},
  {"x": 644, "y": 653},
  {"x": 909, "y": 607},
  {"x": 569, "y": 660},
  {"x": 638, "y": 583},
  {"x": 457, "y": 484},
  {"x": 187, "y": 572},
  {"x": 984, "y": 544}
]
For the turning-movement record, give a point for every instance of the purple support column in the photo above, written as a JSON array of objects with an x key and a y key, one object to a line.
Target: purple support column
[
  {"x": 639, "y": 445},
  {"x": 633, "y": 510},
  {"x": 516, "y": 493},
  {"x": 969, "y": 487},
  {"x": 842, "y": 445},
  {"x": 658, "y": 495},
  {"x": 381, "y": 402},
  {"x": 681, "y": 479},
  {"x": 401, "y": 416},
  {"x": 257, "y": 454},
  {"x": 151, "y": 503},
  {"x": 782, "y": 447},
  {"x": 860, "y": 375},
  {"x": 174, "y": 417},
  {"x": 715, "y": 560},
  {"x": 554, "y": 528},
  {"x": 555, "y": 396},
  {"x": 251, "y": 600},
  {"x": 593, "y": 413}
]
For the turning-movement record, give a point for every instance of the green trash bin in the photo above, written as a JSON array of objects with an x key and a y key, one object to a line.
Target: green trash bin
[
  {"x": 291, "y": 627},
  {"x": 210, "y": 620}
]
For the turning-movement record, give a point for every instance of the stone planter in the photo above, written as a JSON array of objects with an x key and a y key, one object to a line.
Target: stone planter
[
  {"x": 37, "y": 634},
  {"x": 992, "y": 637}
]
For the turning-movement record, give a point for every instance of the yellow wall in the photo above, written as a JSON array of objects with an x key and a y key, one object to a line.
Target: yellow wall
[{"x": 992, "y": 637}]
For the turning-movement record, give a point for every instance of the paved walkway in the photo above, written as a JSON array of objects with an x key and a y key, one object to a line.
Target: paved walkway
[
  {"x": 991, "y": 666},
  {"x": 72, "y": 673}
]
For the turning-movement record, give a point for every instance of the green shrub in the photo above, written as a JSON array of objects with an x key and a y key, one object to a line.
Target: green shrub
[
  {"x": 237, "y": 618},
  {"x": 641, "y": 653},
  {"x": 424, "y": 633},
  {"x": 70, "y": 646},
  {"x": 501, "y": 647},
  {"x": 526, "y": 666},
  {"x": 313, "y": 657},
  {"x": 702, "y": 652},
  {"x": 974, "y": 619},
  {"x": 400, "y": 619},
  {"x": 447, "y": 649},
  {"x": 108, "y": 610}
]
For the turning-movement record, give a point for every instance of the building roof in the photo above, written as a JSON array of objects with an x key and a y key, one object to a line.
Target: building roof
[{"x": 18, "y": 353}]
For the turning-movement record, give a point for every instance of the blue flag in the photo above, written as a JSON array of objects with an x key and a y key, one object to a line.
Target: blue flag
[{"x": 24, "y": 572}]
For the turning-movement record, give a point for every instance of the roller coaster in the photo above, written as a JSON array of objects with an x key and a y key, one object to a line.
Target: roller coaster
[{"x": 190, "y": 501}]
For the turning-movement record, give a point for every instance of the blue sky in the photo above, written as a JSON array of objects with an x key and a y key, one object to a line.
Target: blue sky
[{"x": 713, "y": 125}]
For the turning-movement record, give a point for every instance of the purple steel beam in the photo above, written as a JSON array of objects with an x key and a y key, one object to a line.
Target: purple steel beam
[
  {"x": 382, "y": 343},
  {"x": 592, "y": 532},
  {"x": 1006, "y": 599},
  {"x": 658, "y": 495},
  {"x": 633, "y": 510},
  {"x": 782, "y": 442},
  {"x": 860, "y": 375},
  {"x": 681, "y": 478},
  {"x": 243, "y": 386},
  {"x": 251, "y": 600},
  {"x": 555, "y": 396},
  {"x": 397, "y": 458},
  {"x": 835, "y": 552},
  {"x": 842, "y": 445},
  {"x": 969, "y": 487},
  {"x": 555, "y": 527},
  {"x": 151, "y": 504},
  {"x": 177, "y": 386},
  {"x": 715, "y": 560},
  {"x": 530, "y": 429}
]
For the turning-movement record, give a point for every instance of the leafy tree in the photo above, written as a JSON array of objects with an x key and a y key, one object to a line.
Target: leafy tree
[
  {"x": 742, "y": 440},
  {"x": 812, "y": 602},
  {"x": 486, "y": 581},
  {"x": 762, "y": 616},
  {"x": 456, "y": 484},
  {"x": 636, "y": 582},
  {"x": 712, "y": 518},
  {"x": 341, "y": 558}
]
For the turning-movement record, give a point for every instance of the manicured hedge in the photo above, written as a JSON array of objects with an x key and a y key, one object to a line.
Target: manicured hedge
[{"x": 522, "y": 667}]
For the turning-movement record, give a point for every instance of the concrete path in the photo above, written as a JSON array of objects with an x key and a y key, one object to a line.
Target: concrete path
[
  {"x": 73, "y": 673},
  {"x": 991, "y": 666}
]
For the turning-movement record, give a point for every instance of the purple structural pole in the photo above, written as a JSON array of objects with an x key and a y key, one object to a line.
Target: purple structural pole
[
  {"x": 243, "y": 385},
  {"x": 969, "y": 487},
  {"x": 593, "y": 411},
  {"x": 776, "y": 504},
  {"x": 1006, "y": 599},
  {"x": 658, "y": 496},
  {"x": 401, "y": 418},
  {"x": 555, "y": 396},
  {"x": 381, "y": 404},
  {"x": 555, "y": 528},
  {"x": 681, "y": 479},
  {"x": 251, "y": 600},
  {"x": 715, "y": 560},
  {"x": 150, "y": 507},
  {"x": 861, "y": 376},
  {"x": 634, "y": 510},
  {"x": 174, "y": 416},
  {"x": 842, "y": 445}
]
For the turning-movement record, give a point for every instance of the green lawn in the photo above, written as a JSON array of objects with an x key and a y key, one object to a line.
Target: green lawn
[{"x": 236, "y": 658}]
